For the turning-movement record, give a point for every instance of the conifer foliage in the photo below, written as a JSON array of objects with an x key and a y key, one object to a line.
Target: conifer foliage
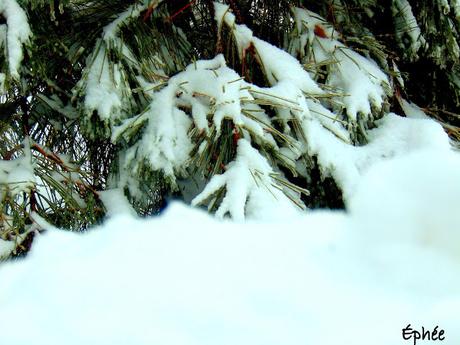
[{"x": 243, "y": 106}]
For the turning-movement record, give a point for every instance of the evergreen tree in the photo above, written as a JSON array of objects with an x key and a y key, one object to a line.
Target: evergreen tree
[{"x": 240, "y": 105}]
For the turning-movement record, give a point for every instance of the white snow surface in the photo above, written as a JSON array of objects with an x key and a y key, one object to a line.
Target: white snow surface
[{"x": 325, "y": 278}]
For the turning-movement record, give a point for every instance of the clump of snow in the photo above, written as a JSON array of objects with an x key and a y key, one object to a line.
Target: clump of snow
[
  {"x": 359, "y": 79},
  {"x": 2, "y": 83},
  {"x": 116, "y": 203},
  {"x": 326, "y": 278},
  {"x": 279, "y": 66},
  {"x": 104, "y": 83},
  {"x": 105, "y": 89},
  {"x": 14, "y": 35},
  {"x": 165, "y": 142},
  {"x": 16, "y": 176},
  {"x": 249, "y": 188},
  {"x": 110, "y": 32},
  {"x": 412, "y": 110},
  {"x": 407, "y": 26},
  {"x": 394, "y": 136},
  {"x": 17, "y": 179}
]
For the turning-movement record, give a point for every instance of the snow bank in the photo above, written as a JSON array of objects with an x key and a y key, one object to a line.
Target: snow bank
[
  {"x": 418, "y": 194},
  {"x": 395, "y": 136},
  {"x": 185, "y": 278}
]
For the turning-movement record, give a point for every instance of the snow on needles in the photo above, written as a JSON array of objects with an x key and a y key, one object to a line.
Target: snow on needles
[
  {"x": 16, "y": 179},
  {"x": 282, "y": 125},
  {"x": 104, "y": 91},
  {"x": 188, "y": 112},
  {"x": 327, "y": 278},
  {"x": 359, "y": 79},
  {"x": 406, "y": 24},
  {"x": 249, "y": 187},
  {"x": 14, "y": 35},
  {"x": 210, "y": 92},
  {"x": 278, "y": 65},
  {"x": 104, "y": 84},
  {"x": 362, "y": 90}
]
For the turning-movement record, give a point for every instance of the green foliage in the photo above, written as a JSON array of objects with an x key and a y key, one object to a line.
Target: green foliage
[{"x": 73, "y": 147}]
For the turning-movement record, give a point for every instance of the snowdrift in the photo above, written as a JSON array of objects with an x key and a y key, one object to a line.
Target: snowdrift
[{"x": 327, "y": 278}]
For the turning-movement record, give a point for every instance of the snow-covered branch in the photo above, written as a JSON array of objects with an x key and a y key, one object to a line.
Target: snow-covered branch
[
  {"x": 249, "y": 187},
  {"x": 360, "y": 84},
  {"x": 13, "y": 36}
]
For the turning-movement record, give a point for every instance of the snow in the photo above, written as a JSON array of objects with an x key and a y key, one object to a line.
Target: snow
[
  {"x": 412, "y": 110},
  {"x": 6, "y": 247},
  {"x": 17, "y": 175},
  {"x": 17, "y": 34},
  {"x": 278, "y": 64},
  {"x": 324, "y": 278},
  {"x": 356, "y": 277},
  {"x": 406, "y": 24},
  {"x": 358, "y": 78},
  {"x": 17, "y": 178},
  {"x": 394, "y": 136},
  {"x": 165, "y": 143},
  {"x": 249, "y": 190},
  {"x": 104, "y": 92},
  {"x": 2, "y": 82},
  {"x": 116, "y": 203},
  {"x": 420, "y": 199},
  {"x": 111, "y": 30},
  {"x": 104, "y": 84},
  {"x": 210, "y": 92}
]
